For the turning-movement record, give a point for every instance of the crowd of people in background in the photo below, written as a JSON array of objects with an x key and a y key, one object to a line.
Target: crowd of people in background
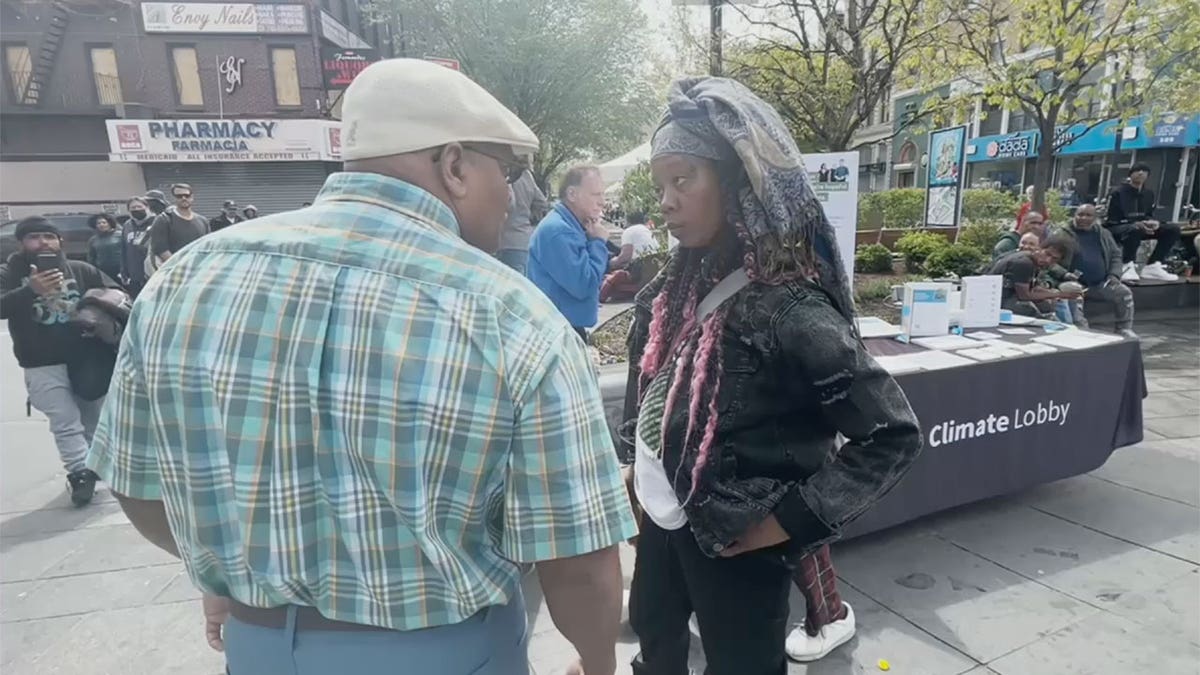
[
  {"x": 1054, "y": 271},
  {"x": 129, "y": 248}
]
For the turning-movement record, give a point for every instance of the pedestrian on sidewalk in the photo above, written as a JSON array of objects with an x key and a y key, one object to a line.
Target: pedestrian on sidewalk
[
  {"x": 40, "y": 290},
  {"x": 136, "y": 235},
  {"x": 526, "y": 206},
  {"x": 568, "y": 254},
  {"x": 228, "y": 216},
  {"x": 178, "y": 226},
  {"x": 105, "y": 247},
  {"x": 744, "y": 369},
  {"x": 358, "y": 428}
]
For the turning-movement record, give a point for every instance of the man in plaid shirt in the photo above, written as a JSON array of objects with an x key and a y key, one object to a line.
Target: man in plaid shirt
[{"x": 351, "y": 417}]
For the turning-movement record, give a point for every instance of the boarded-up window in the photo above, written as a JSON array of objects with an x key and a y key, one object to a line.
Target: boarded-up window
[
  {"x": 287, "y": 79},
  {"x": 104, "y": 72},
  {"x": 16, "y": 59},
  {"x": 187, "y": 76}
]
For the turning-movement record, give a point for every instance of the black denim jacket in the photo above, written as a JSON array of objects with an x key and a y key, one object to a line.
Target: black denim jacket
[{"x": 793, "y": 377}]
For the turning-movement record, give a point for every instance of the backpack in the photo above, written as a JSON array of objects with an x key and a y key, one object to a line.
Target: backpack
[{"x": 100, "y": 316}]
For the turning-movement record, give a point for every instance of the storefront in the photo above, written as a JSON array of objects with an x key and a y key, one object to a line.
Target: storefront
[
  {"x": 1002, "y": 162},
  {"x": 1097, "y": 158},
  {"x": 275, "y": 164}
]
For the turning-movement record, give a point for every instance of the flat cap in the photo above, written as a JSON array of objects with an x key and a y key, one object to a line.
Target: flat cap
[{"x": 397, "y": 106}]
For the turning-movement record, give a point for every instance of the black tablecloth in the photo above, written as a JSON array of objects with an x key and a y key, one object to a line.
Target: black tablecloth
[{"x": 1101, "y": 387}]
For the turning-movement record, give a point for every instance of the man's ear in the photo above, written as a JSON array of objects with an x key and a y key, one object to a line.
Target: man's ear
[{"x": 450, "y": 170}]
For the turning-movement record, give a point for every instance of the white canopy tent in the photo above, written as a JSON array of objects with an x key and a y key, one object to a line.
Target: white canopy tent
[{"x": 614, "y": 170}]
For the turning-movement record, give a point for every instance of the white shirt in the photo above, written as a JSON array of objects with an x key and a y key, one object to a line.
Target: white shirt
[{"x": 641, "y": 238}]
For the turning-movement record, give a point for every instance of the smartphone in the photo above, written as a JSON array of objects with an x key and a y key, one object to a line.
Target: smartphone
[{"x": 47, "y": 261}]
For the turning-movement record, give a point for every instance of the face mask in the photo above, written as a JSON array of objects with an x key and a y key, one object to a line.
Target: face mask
[{"x": 138, "y": 213}]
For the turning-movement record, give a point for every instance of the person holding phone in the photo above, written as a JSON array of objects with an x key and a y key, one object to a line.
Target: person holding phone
[{"x": 40, "y": 289}]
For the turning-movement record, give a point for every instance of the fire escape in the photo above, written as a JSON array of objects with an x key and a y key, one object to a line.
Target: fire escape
[{"x": 43, "y": 66}]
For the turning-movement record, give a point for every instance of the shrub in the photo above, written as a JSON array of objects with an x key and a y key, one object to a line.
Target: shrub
[
  {"x": 873, "y": 259},
  {"x": 1059, "y": 214},
  {"x": 895, "y": 209},
  {"x": 874, "y": 290},
  {"x": 639, "y": 194},
  {"x": 916, "y": 247},
  {"x": 987, "y": 204},
  {"x": 982, "y": 235},
  {"x": 957, "y": 259}
]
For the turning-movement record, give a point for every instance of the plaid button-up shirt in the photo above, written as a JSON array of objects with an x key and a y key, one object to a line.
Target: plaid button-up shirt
[{"x": 350, "y": 408}]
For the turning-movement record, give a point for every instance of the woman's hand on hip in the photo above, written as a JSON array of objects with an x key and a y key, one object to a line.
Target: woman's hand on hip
[{"x": 764, "y": 534}]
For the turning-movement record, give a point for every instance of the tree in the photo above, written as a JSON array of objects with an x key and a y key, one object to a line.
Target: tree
[
  {"x": 639, "y": 194},
  {"x": 557, "y": 64},
  {"x": 1067, "y": 62},
  {"x": 828, "y": 65}
]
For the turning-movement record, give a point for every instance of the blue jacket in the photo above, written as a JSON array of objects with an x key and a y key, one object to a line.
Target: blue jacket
[{"x": 568, "y": 266}]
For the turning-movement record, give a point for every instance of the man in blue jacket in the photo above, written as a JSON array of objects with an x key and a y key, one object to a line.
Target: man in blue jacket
[{"x": 567, "y": 254}]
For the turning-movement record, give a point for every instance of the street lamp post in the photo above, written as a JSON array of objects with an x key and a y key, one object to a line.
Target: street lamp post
[{"x": 714, "y": 37}]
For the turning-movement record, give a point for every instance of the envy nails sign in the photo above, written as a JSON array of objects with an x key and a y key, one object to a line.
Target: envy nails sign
[
  {"x": 954, "y": 431},
  {"x": 194, "y": 17},
  {"x": 240, "y": 140}
]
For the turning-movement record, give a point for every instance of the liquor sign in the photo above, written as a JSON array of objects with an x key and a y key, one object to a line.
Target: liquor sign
[
  {"x": 341, "y": 66},
  {"x": 191, "y": 17},
  {"x": 212, "y": 140}
]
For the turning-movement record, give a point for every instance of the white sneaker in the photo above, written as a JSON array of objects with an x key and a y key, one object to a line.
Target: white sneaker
[
  {"x": 1157, "y": 272},
  {"x": 1128, "y": 334},
  {"x": 1129, "y": 273},
  {"x": 802, "y": 647}
]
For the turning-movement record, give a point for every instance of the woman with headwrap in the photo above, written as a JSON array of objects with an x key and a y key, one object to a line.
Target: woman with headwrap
[{"x": 744, "y": 369}]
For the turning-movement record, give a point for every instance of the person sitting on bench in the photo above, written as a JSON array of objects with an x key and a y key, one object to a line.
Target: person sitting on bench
[
  {"x": 1097, "y": 260},
  {"x": 1131, "y": 219},
  {"x": 1021, "y": 294}
]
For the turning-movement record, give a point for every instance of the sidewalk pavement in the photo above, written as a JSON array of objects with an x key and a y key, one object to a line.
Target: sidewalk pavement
[{"x": 1092, "y": 575}]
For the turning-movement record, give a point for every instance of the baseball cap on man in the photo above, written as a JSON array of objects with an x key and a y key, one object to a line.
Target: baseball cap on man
[
  {"x": 397, "y": 106},
  {"x": 155, "y": 195}
]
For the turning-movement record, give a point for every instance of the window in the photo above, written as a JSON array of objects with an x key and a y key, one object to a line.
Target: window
[
  {"x": 287, "y": 79},
  {"x": 104, "y": 73},
  {"x": 187, "y": 76},
  {"x": 20, "y": 67},
  {"x": 992, "y": 116},
  {"x": 908, "y": 153}
]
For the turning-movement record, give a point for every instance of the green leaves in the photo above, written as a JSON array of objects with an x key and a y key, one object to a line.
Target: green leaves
[{"x": 571, "y": 69}]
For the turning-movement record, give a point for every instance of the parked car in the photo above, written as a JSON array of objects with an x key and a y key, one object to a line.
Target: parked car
[{"x": 74, "y": 228}]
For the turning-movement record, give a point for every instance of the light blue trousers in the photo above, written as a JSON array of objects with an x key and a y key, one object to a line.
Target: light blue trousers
[{"x": 492, "y": 642}]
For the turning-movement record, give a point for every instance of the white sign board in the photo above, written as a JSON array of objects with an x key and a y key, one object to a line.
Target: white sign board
[
  {"x": 192, "y": 17},
  {"x": 834, "y": 178},
  {"x": 218, "y": 140},
  {"x": 335, "y": 32}
]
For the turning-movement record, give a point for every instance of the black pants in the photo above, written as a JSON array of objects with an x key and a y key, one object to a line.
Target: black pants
[
  {"x": 741, "y": 604},
  {"x": 1130, "y": 237}
]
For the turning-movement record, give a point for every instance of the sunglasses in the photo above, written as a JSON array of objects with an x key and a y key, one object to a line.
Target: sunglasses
[
  {"x": 183, "y": 195},
  {"x": 513, "y": 169}
]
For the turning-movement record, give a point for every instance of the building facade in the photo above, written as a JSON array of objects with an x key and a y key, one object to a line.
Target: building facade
[
  {"x": 1090, "y": 160},
  {"x": 104, "y": 99}
]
